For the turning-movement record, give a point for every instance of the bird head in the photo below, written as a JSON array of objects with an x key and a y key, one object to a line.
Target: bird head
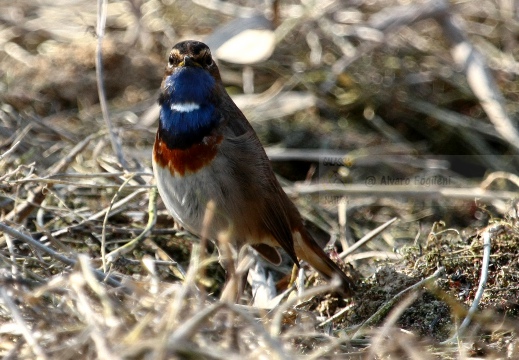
[
  {"x": 191, "y": 73},
  {"x": 192, "y": 54},
  {"x": 191, "y": 95}
]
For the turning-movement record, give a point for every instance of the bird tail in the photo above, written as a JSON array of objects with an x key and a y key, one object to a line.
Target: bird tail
[{"x": 308, "y": 250}]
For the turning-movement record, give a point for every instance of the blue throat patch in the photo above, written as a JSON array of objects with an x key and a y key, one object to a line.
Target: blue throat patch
[{"x": 181, "y": 130}]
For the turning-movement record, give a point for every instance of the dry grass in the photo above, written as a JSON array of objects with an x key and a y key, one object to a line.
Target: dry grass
[{"x": 377, "y": 121}]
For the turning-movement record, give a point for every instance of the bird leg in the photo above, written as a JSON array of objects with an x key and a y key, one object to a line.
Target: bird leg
[
  {"x": 235, "y": 267},
  {"x": 231, "y": 287},
  {"x": 293, "y": 275}
]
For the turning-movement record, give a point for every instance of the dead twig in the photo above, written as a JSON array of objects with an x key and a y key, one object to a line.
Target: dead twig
[
  {"x": 383, "y": 310},
  {"x": 189, "y": 328},
  {"x": 25, "y": 330},
  {"x": 275, "y": 327},
  {"x": 118, "y": 205},
  {"x": 432, "y": 192},
  {"x": 114, "y": 140},
  {"x": 16, "y": 140},
  {"x": 110, "y": 280},
  {"x": 369, "y": 236},
  {"x": 90, "y": 316},
  {"x": 499, "y": 175},
  {"x": 452, "y": 118},
  {"x": 152, "y": 219},
  {"x": 105, "y": 221},
  {"x": 487, "y": 234},
  {"x": 37, "y": 195},
  {"x": 384, "y": 333},
  {"x": 479, "y": 78},
  {"x": 385, "y": 22}
]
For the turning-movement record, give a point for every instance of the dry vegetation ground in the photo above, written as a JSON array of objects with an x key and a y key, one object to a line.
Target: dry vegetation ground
[{"x": 370, "y": 110}]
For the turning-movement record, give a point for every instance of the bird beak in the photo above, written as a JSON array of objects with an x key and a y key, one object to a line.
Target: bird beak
[{"x": 188, "y": 61}]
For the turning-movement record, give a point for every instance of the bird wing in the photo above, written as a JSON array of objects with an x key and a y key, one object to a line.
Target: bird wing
[
  {"x": 260, "y": 188},
  {"x": 252, "y": 166}
]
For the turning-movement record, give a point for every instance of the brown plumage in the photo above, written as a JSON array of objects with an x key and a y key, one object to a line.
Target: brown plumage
[{"x": 222, "y": 162}]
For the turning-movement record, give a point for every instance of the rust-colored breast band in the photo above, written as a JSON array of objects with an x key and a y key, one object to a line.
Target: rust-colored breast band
[{"x": 185, "y": 161}]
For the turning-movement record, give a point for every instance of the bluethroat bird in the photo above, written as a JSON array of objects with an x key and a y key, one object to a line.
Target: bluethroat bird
[{"x": 207, "y": 155}]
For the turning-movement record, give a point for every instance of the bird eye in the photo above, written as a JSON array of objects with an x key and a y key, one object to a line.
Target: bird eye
[
  {"x": 208, "y": 60},
  {"x": 171, "y": 60}
]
